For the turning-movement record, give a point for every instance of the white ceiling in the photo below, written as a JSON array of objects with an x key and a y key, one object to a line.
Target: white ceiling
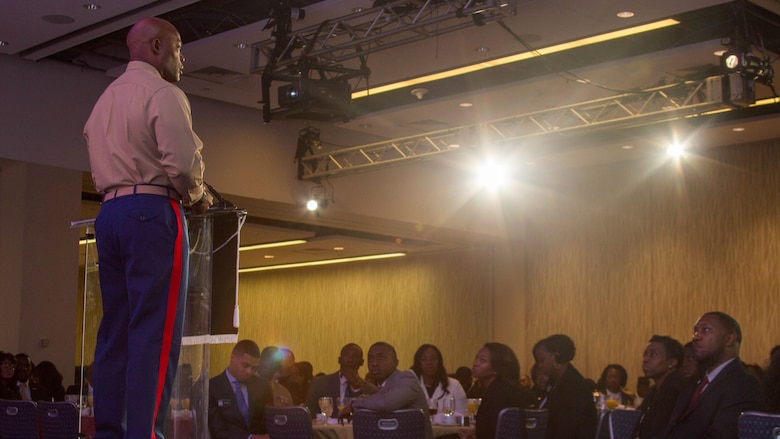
[{"x": 38, "y": 29}]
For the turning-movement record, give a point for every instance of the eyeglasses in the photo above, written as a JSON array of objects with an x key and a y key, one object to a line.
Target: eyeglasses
[{"x": 8, "y": 364}]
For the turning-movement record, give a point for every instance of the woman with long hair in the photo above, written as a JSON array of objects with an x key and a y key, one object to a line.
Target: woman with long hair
[
  {"x": 612, "y": 384},
  {"x": 429, "y": 367},
  {"x": 498, "y": 371},
  {"x": 771, "y": 396}
]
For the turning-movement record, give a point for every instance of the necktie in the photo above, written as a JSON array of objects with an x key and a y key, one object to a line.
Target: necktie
[
  {"x": 24, "y": 389},
  {"x": 697, "y": 393},
  {"x": 242, "y": 407}
]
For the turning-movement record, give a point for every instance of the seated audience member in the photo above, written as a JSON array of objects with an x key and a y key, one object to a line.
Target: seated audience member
[
  {"x": 541, "y": 387},
  {"x": 660, "y": 362},
  {"x": 237, "y": 397},
  {"x": 771, "y": 399},
  {"x": 345, "y": 382},
  {"x": 526, "y": 383},
  {"x": 463, "y": 375},
  {"x": 691, "y": 370},
  {"x": 306, "y": 370},
  {"x": 712, "y": 408},
  {"x": 497, "y": 369},
  {"x": 397, "y": 389},
  {"x": 289, "y": 376},
  {"x": 642, "y": 387},
  {"x": 270, "y": 362},
  {"x": 47, "y": 376},
  {"x": 612, "y": 384},
  {"x": 572, "y": 413},
  {"x": 29, "y": 389},
  {"x": 8, "y": 388},
  {"x": 428, "y": 365}
]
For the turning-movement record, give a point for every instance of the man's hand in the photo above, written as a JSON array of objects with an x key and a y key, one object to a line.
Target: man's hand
[
  {"x": 345, "y": 413},
  {"x": 203, "y": 205}
]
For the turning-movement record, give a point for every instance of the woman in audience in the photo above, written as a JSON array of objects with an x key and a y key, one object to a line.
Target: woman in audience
[
  {"x": 570, "y": 401},
  {"x": 50, "y": 378},
  {"x": 8, "y": 387},
  {"x": 541, "y": 387},
  {"x": 429, "y": 367},
  {"x": 771, "y": 395},
  {"x": 690, "y": 370},
  {"x": 660, "y": 362},
  {"x": 613, "y": 385},
  {"x": 498, "y": 371}
]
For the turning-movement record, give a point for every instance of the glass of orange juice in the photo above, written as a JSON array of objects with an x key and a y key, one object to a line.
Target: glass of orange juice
[{"x": 611, "y": 404}]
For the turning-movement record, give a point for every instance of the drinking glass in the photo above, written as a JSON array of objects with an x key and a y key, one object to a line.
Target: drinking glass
[
  {"x": 472, "y": 405},
  {"x": 433, "y": 408},
  {"x": 341, "y": 402},
  {"x": 611, "y": 404},
  {"x": 326, "y": 406},
  {"x": 449, "y": 406}
]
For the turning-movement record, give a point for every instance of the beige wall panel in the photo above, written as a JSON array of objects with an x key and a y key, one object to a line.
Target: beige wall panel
[
  {"x": 623, "y": 252},
  {"x": 444, "y": 299}
]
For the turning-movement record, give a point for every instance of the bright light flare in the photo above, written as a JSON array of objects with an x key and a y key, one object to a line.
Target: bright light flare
[
  {"x": 675, "y": 150},
  {"x": 493, "y": 175},
  {"x": 312, "y": 205}
]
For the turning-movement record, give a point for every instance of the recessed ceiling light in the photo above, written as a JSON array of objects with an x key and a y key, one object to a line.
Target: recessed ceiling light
[
  {"x": 91, "y": 6},
  {"x": 240, "y": 46},
  {"x": 625, "y": 14},
  {"x": 4, "y": 43},
  {"x": 465, "y": 105},
  {"x": 719, "y": 53},
  {"x": 482, "y": 49},
  {"x": 268, "y": 256},
  {"x": 356, "y": 10},
  {"x": 627, "y": 147},
  {"x": 738, "y": 129},
  {"x": 58, "y": 19},
  {"x": 338, "y": 249}
]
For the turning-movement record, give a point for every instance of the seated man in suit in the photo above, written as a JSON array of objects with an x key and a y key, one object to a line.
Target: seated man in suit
[
  {"x": 397, "y": 389},
  {"x": 345, "y": 382},
  {"x": 711, "y": 407},
  {"x": 229, "y": 416}
]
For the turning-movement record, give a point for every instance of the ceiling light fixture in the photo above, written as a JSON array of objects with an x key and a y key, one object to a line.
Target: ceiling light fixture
[
  {"x": 322, "y": 262},
  {"x": 240, "y": 45},
  {"x": 519, "y": 57},
  {"x": 4, "y": 43},
  {"x": 91, "y": 6},
  {"x": 271, "y": 245},
  {"x": 625, "y": 14}
]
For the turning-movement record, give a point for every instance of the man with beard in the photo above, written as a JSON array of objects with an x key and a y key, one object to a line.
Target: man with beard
[{"x": 712, "y": 407}]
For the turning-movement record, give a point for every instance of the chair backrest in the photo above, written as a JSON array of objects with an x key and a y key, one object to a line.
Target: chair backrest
[
  {"x": 58, "y": 420},
  {"x": 18, "y": 420},
  {"x": 754, "y": 425},
  {"x": 508, "y": 425},
  {"x": 618, "y": 424},
  {"x": 400, "y": 424},
  {"x": 293, "y": 422},
  {"x": 536, "y": 423}
]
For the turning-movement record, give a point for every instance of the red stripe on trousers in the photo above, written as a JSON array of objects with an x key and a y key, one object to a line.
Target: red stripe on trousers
[{"x": 170, "y": 314}]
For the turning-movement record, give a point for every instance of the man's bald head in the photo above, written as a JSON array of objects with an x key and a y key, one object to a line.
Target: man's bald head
[{"x": 158, "y": 43}]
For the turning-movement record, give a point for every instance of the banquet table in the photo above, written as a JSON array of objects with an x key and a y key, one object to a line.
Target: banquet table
[{"x": 338, "y": 431}]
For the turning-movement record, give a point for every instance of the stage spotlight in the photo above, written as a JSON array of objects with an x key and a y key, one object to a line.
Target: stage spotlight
[
  {"x": 312, "y": 205},
  {"x": 492, "y": 175},
  {"x": 675, "y": 150},
  {"x": 747, "y": 65}
]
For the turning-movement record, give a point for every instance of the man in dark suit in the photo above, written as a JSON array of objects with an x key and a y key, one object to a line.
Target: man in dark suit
[
  {"x": 711, "y": 408},
  {"x": 345, "y": 382},
  {"x": 398, "y": 390},
  {"x": 28, "y": 389},
  {"x": 229, "y": 417}
]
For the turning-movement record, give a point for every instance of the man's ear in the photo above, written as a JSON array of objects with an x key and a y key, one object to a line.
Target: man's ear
[
  {"x": 156, "y": 45},
  {"x": 731, "y": 339}
]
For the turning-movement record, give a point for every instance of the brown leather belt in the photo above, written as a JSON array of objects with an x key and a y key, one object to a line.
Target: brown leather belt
[{"x": 141, "y": 189}]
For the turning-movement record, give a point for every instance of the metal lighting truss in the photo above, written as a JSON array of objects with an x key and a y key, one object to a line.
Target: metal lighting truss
[
  {"x": 396, "y": 23},
  {"x": 655, "y": 105}
]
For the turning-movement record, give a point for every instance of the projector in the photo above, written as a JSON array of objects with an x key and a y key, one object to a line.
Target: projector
[{"x": 307, "y": 93}]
